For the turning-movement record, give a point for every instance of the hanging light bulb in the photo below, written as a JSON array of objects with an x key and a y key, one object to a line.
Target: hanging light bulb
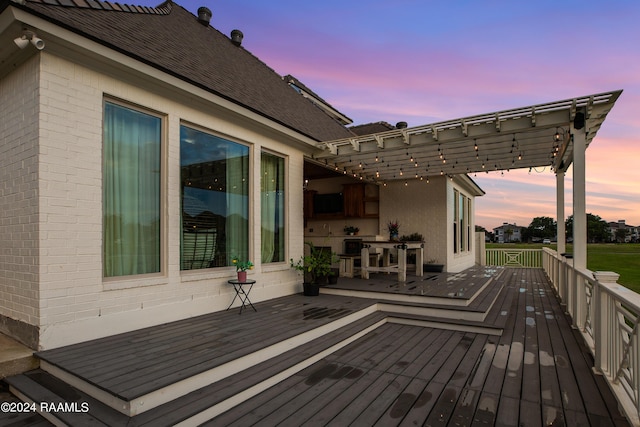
[{"x": 556, "y": 136}]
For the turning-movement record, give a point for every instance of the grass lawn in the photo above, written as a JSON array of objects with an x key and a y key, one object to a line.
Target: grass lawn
[{"x": 624, "y": 259}]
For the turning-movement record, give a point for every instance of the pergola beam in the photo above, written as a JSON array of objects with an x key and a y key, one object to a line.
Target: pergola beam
[{"x": 532, "y": 128}]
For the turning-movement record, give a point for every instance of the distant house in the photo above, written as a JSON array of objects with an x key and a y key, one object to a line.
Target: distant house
[
  {"x": 621, "y": 232},
  {"x": 508, "y": 233},
  {"x": 141, "y": 150}
]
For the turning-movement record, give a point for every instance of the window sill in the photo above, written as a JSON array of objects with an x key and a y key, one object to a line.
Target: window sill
[{"x": 132, "y": 282}]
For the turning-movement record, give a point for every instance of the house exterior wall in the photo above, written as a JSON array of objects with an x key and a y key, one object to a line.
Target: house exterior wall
[
  {"x": 77, "y": 304},
  {"x": 419, "y": 207},
  {"x": 461, "y": 260},
  {"x": 428, "y": 209},
  {"x": 19, "y": 211}
]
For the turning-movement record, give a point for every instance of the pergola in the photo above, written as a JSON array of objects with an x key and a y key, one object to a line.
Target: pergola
[{"x": 554, "y": 134}]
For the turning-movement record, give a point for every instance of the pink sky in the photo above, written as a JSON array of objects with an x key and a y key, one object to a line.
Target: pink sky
[{"x": 426, "y": 61}]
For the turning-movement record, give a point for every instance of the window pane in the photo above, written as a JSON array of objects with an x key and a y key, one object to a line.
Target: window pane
[
  {"x": 272, "y": 205},
  {"x": 463, "y": 225},
  {"x": 215, "y": 203},
  {"x": 456, "y": 217},
  {"x": 131, "y": 192}
]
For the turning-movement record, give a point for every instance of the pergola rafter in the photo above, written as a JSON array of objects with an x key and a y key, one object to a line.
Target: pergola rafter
[{"x": 511, "y": 139}]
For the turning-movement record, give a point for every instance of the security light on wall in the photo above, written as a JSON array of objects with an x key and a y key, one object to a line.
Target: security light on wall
[{"x": 26, "y": 37}]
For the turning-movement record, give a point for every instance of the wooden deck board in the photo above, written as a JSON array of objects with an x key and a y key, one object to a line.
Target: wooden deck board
[
  {"x": 536, "y": 372},
  {"x": 194, "y": 345}
]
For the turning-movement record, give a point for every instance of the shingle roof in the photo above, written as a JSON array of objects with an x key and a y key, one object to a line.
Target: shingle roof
[
  {"x": 369, "y": 128},
  {"x": 170, "y": 38}
]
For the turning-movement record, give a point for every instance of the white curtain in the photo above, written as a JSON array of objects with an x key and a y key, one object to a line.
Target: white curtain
[
  {"x": 131, "y": 192},
  {"x": 272, "y": 208},
  {"x": 237, "y": 191}
]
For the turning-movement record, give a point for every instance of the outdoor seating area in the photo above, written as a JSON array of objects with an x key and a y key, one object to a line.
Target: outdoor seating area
[{"x": 383, "y": 352}]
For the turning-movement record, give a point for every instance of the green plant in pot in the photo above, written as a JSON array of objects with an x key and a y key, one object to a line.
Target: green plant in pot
[
  {"x": 351, "y": 230},
  {"x": 316, "y": 267}
]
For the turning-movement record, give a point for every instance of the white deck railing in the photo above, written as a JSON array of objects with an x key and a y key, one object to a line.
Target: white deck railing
[
  {"x": 527, "y": 258},
  {"x": 606, "y": 314}
]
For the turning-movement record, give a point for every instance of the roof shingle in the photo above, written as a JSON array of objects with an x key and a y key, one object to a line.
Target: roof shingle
[{"x": 170, "y": 38}]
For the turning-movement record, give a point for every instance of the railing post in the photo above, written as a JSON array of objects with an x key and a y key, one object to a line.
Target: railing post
[
  {"x": 605, "y": 325},
  {"x": 581, "y": 302}
]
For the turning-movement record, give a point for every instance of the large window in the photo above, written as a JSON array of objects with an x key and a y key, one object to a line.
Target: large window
[
  {"x": 461, "y": 222},
  {"x": 131, "y": 192},
  {"x": 272, "y": 207},
  {"x": 215, "y": 203}
]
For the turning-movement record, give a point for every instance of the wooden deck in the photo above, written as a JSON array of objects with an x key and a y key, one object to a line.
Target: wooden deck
[{"x": 522, "y": 365}]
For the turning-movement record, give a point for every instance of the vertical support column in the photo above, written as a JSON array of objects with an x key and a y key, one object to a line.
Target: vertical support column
[
  {"x": 364, "y": 261},
  {"x": 579, "y": 200},
  {"x": 402, "y": 262},
  {"x": 561, "y": 232}
]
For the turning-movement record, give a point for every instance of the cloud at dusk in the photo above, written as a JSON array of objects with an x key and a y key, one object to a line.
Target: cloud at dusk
[{"x": 425, "y": 61}]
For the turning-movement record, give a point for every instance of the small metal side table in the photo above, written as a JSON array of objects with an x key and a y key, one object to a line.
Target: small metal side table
[{"x": 242, "y": 293}]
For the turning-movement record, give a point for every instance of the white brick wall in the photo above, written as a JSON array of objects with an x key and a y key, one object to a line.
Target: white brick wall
[
  {"x": 19, "y": 194},
  {"x": 425, "y": 208},
  {"x": 77, "y": 304}
]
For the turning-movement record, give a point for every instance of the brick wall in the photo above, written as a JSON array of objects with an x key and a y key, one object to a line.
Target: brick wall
[
  {"x": 19, "y": 314},
  {"x": 76, "y": 302},
  {"x": 425, "y": 208}
]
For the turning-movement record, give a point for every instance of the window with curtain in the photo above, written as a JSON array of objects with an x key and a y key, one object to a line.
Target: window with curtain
[
  {"x": 272, "y": 207},
  {"x": 215, "y": 204},
  {"x": 456, "y": 218},
  {"x": 462, "y": 222},
  {"x": 131, "y": 191}
]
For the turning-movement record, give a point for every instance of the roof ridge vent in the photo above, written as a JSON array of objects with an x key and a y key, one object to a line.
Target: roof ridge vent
[
  {"x": 236, "y": 37},
  {"x": 204, "y": 15}
]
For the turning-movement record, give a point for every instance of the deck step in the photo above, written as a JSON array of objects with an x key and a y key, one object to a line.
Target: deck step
[
  {"x": 445, "y": 309},
  {"x": 492, "y": 322},
  {"x": 60, "y": 403},
  {"x": 397, "y": 294},
  {"x": 199, "y": 405},
  {"x": 15, "y": 358},
  {"x": 145, "y": 398}
]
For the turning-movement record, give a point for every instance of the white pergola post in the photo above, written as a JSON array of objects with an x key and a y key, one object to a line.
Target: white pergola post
[
  {"x": 579, "y": 199},
  {"x": 561, "y": 233}
]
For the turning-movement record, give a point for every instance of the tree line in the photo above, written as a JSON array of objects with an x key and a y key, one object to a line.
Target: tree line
[{"x": 544, "y": 227}]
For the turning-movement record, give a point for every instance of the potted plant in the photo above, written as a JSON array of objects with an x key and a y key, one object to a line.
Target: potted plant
[
  {"x": 432, "y": 266},
  {"x": 315, "y": 267},
  {"x": 351, "y": 230},
  {"x": 394, "y": 228},
  {"x": 241, "y": 268}
]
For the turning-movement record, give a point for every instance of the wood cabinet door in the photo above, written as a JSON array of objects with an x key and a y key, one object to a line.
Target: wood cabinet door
[{"x": 353, "y": 195}]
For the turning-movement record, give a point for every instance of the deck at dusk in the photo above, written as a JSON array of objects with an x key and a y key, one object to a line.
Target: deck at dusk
[{"x": 502, "y": 353}]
